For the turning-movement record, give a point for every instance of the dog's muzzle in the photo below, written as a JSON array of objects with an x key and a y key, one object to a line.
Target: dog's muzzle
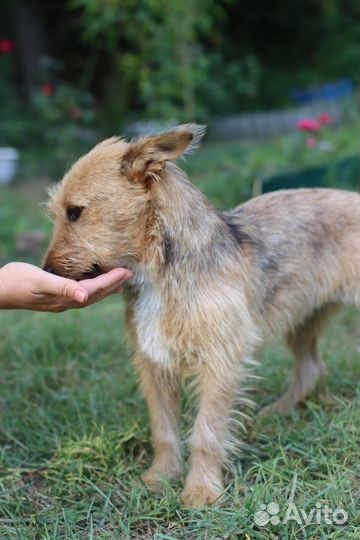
[
  {"x": 93, "y": 272},
  {"x": 50, "y": 269}
]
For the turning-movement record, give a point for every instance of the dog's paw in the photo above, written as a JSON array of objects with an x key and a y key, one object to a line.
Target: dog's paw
[
  {"x": 156, "y": 479},
  {"x": 280, "y": 407},
  {"x": 200, "y": 496},
  {"x": 153, "y": 479}
]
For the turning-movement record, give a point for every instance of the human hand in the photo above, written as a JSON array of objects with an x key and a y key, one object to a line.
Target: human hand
[{"x": 24, "y": 286}]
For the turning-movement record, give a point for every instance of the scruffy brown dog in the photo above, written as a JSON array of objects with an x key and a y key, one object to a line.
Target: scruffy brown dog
[{"x": 209, "y": 287}]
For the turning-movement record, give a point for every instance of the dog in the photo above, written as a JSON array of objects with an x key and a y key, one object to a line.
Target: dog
[{"x": 209, "y": 287}]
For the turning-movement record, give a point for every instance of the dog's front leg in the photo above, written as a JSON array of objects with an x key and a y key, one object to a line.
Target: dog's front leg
[
  {"x": 162, "y": 391},
  {"x": 204, "y": 483}
]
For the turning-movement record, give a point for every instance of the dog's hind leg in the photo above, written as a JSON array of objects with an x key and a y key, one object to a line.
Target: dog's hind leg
[
  {"x": 162, "y": 391},
  {"x": 303, "y": 342}
]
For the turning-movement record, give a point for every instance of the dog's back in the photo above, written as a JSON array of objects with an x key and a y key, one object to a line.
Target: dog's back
[{"x": 304, "y": 247}]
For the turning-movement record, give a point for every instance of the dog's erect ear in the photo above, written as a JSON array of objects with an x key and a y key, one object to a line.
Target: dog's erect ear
[{"x": 144, "y": 160}]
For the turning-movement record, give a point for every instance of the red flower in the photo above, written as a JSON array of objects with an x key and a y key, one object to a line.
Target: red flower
[
  {"x": 308, "y": 124},
  {"x": 325, "y": 118},
  {"x": 6, "y": 46},
  {"x": 48, "y": 89}
]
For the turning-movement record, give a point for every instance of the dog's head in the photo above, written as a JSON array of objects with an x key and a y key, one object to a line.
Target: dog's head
[{"x": 100, "y": 208}]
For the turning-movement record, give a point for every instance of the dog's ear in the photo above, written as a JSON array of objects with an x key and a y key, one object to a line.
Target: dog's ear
[{"x": 144, "y": 160}]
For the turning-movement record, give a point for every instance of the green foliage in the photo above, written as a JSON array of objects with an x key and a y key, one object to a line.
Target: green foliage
[
  {"x": 189, "y": 60},
  {"x": 340, "y": 51},
  {"x": 172, "y": 61},
  {"x": 181, "y": 61},
  {"x": 296, "y": 44},
  {"x": 160, "y": 58},
  {"x": 228, "y": 85},
  {"x": 54, "y": 127}
]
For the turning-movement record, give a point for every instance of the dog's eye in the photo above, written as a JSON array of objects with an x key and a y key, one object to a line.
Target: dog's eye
[{"x": 74, "y": 212}]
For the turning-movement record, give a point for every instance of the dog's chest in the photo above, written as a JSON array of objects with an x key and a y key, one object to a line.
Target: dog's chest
[{"x": 150, "y": 321}]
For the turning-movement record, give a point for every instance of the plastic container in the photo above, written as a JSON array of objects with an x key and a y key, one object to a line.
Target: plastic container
[{"x": 8, "y": 163}]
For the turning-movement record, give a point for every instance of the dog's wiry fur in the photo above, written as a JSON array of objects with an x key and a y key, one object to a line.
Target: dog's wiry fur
[{"x": 209, "y": 288}]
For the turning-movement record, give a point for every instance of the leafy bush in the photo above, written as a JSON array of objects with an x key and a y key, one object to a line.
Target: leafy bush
[{"x": 54, "y": 127}]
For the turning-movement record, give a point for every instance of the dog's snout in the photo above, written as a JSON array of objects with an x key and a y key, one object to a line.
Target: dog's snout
[
  {"x": 50, "y": 269},
  {"x": 94, "y": 271}
]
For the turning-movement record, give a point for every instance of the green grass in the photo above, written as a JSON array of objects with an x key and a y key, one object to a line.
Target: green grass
[
  {"x": 21, "y": 211},
  {"x": 74, "y": 439},
  {"x": 74, "y": 430}
]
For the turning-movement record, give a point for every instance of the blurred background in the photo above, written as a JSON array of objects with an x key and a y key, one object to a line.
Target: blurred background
[{"x": 275, "y": 81}]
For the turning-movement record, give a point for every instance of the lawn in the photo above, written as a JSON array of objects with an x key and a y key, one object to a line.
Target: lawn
[{"x": 74, "y": 430}]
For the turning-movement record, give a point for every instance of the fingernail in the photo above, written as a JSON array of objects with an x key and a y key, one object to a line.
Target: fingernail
[{"x": 80, "y": 296}]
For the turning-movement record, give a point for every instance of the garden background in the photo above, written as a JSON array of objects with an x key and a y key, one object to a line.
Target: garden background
[{"x": 277, "y": 84}]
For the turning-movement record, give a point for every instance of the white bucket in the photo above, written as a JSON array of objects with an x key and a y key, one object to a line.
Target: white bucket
[{"x": 8, "y": 163}]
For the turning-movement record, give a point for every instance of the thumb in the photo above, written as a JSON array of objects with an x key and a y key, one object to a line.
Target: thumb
[{"x": 68, "y": 288}]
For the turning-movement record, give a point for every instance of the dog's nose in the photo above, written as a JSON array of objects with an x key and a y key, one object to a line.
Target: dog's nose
[{"x": 50, "y": 269}]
